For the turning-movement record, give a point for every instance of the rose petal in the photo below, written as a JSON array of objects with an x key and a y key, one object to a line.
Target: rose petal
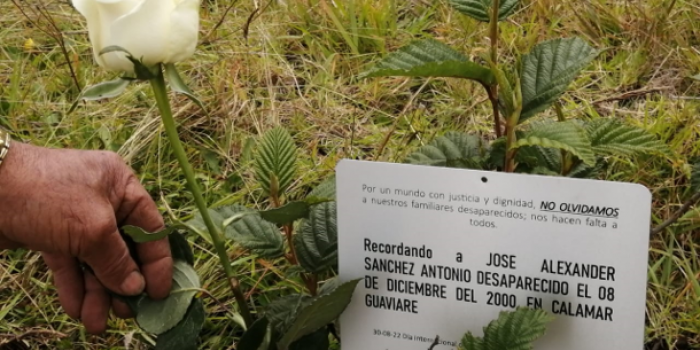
[
  {"x": 143, "y": 32},
  {"x": 89, "y": 10},
  {"x": 112, "y": 11},
  {"x": 184, "y": 25}
]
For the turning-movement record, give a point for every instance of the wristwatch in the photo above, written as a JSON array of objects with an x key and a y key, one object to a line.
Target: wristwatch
[{"x": 4, "y": 144}]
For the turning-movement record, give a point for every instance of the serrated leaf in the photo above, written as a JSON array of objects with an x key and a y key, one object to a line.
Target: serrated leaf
[
  {"x": 480, "y": 10},
  {"x": 512, "y": 330},
  {"x": 320, "y": 312},
  {"x": 291, "y": 211},
  {"x": 180, "y": 249},
  {"x": 184, "y": 336},
  {"x": 612, "y": 138},
  {"x": 315, "y": 341},
  {"x": 566, "y": 136},
  {"x": 140, "y": 235},
  {"x": 178, "y": 85},
  {"x": 429, "y": 58},
  {"x": 247, "y": 229},
  {"x": 329, "y": 286},
  {"x": 281, "y": 311},
  {"x": 549, "y": 69},
  {"x": 158, "y": 316},
  {"x": 453, "y": 150},
  {"x": 325, "y": 189},
  {"x": 316, "y": 241},
  {"x": 257, "y": 337},
  {"x": 235, "y": 218},
  {"x": 470, "y": 342},
  {"x": 275, "y": 161},
  {"x": 496, "y": 154},
  {"x": 584, "y": 171},
  {"x": 257, "y": 235},
  {"x": 107, "y": 89},
  {"x": 535, "y": 156}
]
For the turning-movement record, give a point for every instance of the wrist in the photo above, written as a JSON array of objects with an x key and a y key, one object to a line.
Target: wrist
[{"x": 11, "y": 176}]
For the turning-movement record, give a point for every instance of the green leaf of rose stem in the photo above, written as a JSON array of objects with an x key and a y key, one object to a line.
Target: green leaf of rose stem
[
  {"x": 107, "y": 89},
  {"x": 139, "y": 235},
  {"x": 115, "y": 48},
  {"x": 185, "y": 334},
  {"x": 158, "y": 316},
  {"x": 179, "y": 86}
]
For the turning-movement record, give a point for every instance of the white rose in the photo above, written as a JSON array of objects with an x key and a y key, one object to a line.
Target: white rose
[{"x": 156, "y": 31}]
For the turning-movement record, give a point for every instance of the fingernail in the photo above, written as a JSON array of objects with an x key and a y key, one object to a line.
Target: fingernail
[{"x": 134, "y": 284}]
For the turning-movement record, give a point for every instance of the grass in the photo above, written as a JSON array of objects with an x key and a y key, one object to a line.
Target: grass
[{"x": 297, "y": 67}]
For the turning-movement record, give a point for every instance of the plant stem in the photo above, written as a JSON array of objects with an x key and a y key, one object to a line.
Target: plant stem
[
  {"x": 566, "y": 162},
  {"x": 493, "y": 36},
  {"x": 493, "y": 89},
  {"x": 161, "y": 94},
  {"x": 677, "y": 215},
  {"x": 511, "y": 123},
  {"x": 510, "y": 140}
]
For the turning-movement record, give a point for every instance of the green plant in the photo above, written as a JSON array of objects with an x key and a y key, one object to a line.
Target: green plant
[
  {"x": 518, "y": 94},
  {"x": 512, "y": 330},
  {"x": 304, "y": 232},
  {"x": 296, "y": 321}
]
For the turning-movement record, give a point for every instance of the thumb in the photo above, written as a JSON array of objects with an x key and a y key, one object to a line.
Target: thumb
[{"x": 113, "y": 266}]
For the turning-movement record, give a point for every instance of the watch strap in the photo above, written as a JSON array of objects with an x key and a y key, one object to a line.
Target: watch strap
[{"x": 4, "y": 145}]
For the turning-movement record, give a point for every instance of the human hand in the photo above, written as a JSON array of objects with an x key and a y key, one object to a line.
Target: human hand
[{"x": 69, "y": 204}]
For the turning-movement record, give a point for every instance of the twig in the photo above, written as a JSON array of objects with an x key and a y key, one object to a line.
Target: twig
[
  {"x": 630, "y": 95},
  {"x": 677, "y": 215},
  {"x": 215, "y": 299},
  {"x": 218, "y": 24},
  {"x": 56, "y": 34},
  {"x": 493, "y": 97},
  {"x": 252, "y": 17},
  {"x": 625, "y": 96},
  {"x": 435, "y": 343}
]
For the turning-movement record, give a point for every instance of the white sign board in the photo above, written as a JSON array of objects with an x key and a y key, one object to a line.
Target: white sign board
[{"x": 443, "y": 251}]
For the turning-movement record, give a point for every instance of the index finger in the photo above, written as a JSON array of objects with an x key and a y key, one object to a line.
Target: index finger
[{"x": 138, "y": 209}]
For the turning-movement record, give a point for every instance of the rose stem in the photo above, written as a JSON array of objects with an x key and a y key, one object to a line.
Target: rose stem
[{"x": 160, "y": 92}]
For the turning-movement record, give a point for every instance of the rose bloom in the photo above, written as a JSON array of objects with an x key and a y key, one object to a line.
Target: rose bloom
[{"x": 155, "y": 31}]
